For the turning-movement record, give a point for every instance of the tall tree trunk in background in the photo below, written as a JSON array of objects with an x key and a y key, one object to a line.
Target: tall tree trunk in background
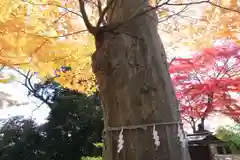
[
  {"x": 193, "y": 124},
  {"x": 202, "y": 122},
  {"x": 135, "y": 87}
]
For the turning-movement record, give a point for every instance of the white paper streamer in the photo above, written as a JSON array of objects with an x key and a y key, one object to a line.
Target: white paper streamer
[
  {"x": 120, "y": 141},
  {"x": 156, "y": 137},
  {"x": 181, "y": 137}
]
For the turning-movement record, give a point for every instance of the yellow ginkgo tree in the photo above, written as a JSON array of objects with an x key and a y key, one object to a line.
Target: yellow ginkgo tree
[
  {"x": 220, "y": 20},
  {"x": 42, "y": 36}
]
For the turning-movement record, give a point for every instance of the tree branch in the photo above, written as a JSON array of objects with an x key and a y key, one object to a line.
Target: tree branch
[
  {"x": 88, "y": 25},
  {"x": 28, "y": 84},
  {"x": 111, "y": 27},
  {"x": 60, "y": 17},
  {"x": 101, "y": 18},
  {"x": 174, "y": 14},
  {"x": 68, "y": 34},
  {"x": 99, "y": 6},
  {"x": 170, "y": 63},
  {"x": 93, "y": 30},
  {"x": 205, "y": 1},
  {"x": 2, "y": 67}
]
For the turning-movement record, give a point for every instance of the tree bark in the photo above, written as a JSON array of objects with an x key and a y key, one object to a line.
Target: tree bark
[
  {"x": 135, "y": 87},
  {"x": 202, "y": 122},
  {"x": 193, "y": 124}
]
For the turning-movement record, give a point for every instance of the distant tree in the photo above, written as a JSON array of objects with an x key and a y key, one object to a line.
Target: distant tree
[
  {"x": 75, "y": 122},
  {"x": 230, "y": 134},
  {"x": 208, "y": 82},
  {"x": 74, "y": 125},
  {"x": 20, "y": 139}
]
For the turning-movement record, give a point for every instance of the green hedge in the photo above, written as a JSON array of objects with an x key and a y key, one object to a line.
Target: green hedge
[
  {"x": 230, "y": 134},
  {"x": 92, "y": 158}
]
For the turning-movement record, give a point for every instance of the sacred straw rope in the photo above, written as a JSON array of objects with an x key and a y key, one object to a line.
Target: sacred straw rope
[{"x": 142, "y": 126}]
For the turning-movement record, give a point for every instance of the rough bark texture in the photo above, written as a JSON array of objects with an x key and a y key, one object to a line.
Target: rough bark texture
[{"x": 135, "y": 86}]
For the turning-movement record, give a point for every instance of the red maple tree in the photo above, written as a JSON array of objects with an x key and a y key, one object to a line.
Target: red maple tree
[{"x": 208, "y": 82}]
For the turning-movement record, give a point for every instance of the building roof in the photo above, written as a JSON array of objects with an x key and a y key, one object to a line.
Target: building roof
[{"x": 205, "y": 138}]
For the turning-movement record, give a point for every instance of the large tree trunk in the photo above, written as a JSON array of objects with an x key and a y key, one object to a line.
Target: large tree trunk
[{"x": 135, "y": 87}]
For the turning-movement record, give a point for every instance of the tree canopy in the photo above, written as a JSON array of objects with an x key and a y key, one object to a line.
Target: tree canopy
[
  {"x": 31, "y": 38},
  {"x": 59, "y": 38},
  {"x": 208, "y": 82}
]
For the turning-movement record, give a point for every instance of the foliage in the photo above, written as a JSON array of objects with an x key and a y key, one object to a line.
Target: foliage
[
  {"x": 74, "y": 126},
  {"x": 99, "y": 145},
  {"x": 230, "y": 134},
  {"x": 19, "y": 139},
  {"x": 31, "y": 38},
  {"x": 56, "y": 32},
  {"x": 222, "y": 23},
  {"x": 73, "y": 118},
  {"x": 92, "y": 158},
  {"x": 207, "y": 82}
]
